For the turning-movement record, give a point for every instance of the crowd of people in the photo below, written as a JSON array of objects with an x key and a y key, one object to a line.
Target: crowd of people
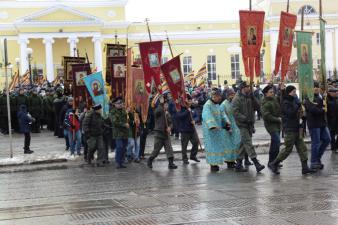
[{"x": 227, "y": 115}]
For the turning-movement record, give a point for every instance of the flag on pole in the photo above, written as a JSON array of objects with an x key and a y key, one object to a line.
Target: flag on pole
[
  {"x": 304, "y": 57},
  {"x": 201, "y": 75},
  {"x": 285, "y": 39},
  {"x": 251, "y": 30},
  {"x": 96, "y": 89},
  {"x": 322, "y": 53},
  {"x": 173, "y": 74},
  {"x": 189, "y": 77},
  {"x": 151, "y": 55}
]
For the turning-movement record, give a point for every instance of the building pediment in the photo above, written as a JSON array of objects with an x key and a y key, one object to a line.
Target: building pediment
[{"x": 59, "y": 15}]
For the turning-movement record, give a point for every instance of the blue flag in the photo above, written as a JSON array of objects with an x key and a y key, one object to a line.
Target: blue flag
[{"x": 96, "y": 89}]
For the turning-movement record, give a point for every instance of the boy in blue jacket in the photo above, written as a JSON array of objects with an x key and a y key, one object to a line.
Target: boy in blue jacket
[{"x": 25, "y": 123}]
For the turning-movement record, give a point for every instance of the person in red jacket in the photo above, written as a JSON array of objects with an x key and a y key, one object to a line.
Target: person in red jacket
[{"x": 73, "y": 124}]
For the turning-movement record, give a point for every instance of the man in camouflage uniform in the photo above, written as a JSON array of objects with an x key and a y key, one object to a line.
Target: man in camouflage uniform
[
  {"x": 49, "y": 109},
  {"x": 35, "y": 109},
  {"x": 93, "y": 130}
]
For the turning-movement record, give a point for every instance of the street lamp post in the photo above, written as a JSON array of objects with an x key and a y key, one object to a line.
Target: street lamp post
[
  {"x": 29, "y": 58},
  {"x": 17, "y": 61}
]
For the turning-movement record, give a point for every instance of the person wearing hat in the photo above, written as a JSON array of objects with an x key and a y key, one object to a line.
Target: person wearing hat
[
  {"x": 291, "y": 116},
  {"x": 332, "y": 116},
  {"x": 120, "y": 123},
  {"x": 49, "y": 109},
  {"x": 65, "y": 108},
  {"x": 186, "y": 128},
  {"x": 245, "y": 105},
  {"x": 162, "y": 131},
  {"x": 92, "y": 126},
  {"x": 215, "y": 124},
  {"x": 20, "y": 99},
  {"x": 272, "y": 120},
  {"x": 233, "y": 137},
  {"x": 35, "y": 108},
  {"x": 317, "y": 124}
]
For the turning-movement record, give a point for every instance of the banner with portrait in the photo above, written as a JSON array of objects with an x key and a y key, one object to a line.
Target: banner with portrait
[
  {"x": 113, "y": 50},
  {"x": 151, "y": 56},
  {"x": 117, "y": 67},
  {"x": 67, "y": 63},
  {"x": 251, "y": 30},
  {"x": 305, "y": 69},
  {"x": 322, "y": 53},
  {"x": 96, "y": 88},
  {"x": 77, "y": 87},
  {"x": 172, "y": 72},
  {"x": 285, "y": 40}
]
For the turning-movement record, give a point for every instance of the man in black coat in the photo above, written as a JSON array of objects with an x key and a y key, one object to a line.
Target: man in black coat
[
  {"x": 62, "y": 115},
  {"x": 58, "y": 104},
  {"x": 186, "y": 128},
  {"x": 332, "y": 116}
]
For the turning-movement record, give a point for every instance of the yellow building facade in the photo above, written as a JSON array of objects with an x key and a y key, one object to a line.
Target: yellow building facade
[{"x": 53, "y": 28}]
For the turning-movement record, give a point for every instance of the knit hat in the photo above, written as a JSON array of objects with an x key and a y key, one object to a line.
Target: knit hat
[
  {"x": 118, "y": 100},
  {"x": 70, "y": 99},
  {"x": 267, "y": 88},
  {"x": 243, "y": 84},
  {"x": 289, "y": 89},
  {"x": 216, "y": 91},
  {"x": 97, "y": 107}
]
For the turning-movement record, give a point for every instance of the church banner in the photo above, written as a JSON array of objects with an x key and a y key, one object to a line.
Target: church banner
[
  {"x": 96, "y": 88},
  {"x": 251, "y": 29},
  {"x": 322, "y": 52},
  {"x": 151, "y": 55},
  {"x": 117, "y": 67},
  {"x": 78, "y": 88},
  {"x": 305, "y": 69},
  {"x": 173, "y": 74},
  {"x": 285, "y": 39}
]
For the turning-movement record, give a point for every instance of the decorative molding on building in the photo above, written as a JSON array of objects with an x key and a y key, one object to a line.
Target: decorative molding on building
[
  {"x": 70, "y": 3},
  {"x": 57, "y": 35}
]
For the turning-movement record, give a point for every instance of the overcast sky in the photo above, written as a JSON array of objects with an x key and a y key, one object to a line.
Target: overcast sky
[{"x": 184, "y": 10}]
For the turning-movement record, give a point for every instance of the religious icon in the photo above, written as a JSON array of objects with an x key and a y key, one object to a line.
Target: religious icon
[
  {"x": 114, "y": 52},
  {"x": 175, "y": 75},
  {"x": 79, "y": 78},
  {"x": 96, "y": 88},
  {"x": 119, "y": 70},
  {"x": 139, "y": 87},
  {"x": 252, "y": 38},
  {"x": 287, "y": 36},
  {"x": 304, "y": 54},
  {"x": 153, "y": 60}
]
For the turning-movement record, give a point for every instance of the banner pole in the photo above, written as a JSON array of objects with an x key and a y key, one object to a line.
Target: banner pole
[
  {"x": 302, "y": 20},
  {"x": 250, "y": 5},
  {"x": 148, "y": 28},
  {"x": 171, "y": 50},
  {"x": 8, "y": 103},
  {"x": 288, "y": 6}
]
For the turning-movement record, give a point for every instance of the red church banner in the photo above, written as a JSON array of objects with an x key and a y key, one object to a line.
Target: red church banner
[
  {"x": 151, "y": 55},
  {"x": 286, "y": 30},
  {"x": 173, "y": 74},
  {"x": 251, "y": 28}
]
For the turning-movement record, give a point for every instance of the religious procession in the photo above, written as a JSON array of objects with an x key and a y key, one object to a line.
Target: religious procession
[{"x": 144, "y": 95}]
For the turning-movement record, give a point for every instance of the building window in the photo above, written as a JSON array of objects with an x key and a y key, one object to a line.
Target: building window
[
  {"x": 235, "y": 70},
  {"x": 211, "y": 62},
  {"x": 318, "y": 38},
  {"x": 307, "y": 10},
  {"x": 164, "y": 59},
  {"x": 187, "y": 65},
  {"x": 318, "y": 63}
]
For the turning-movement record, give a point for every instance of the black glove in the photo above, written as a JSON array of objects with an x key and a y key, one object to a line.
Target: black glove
[{"x": 227, "y": 127}]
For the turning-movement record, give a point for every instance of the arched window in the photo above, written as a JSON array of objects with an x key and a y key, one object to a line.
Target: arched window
[{"x": 307, "y": 10}]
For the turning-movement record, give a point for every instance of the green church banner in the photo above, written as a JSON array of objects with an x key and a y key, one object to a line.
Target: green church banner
[
  {"x": 322, "y": 51},
  {"x": 305, "y": 64}
]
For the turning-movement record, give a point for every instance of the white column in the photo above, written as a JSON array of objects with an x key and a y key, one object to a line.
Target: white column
[
  {"x": 72, "y": 45},
  {"x": 329, "y": 51},
  {"x": 49, "y": 58},
  {"x": 273, "y": 47},
  {"x": 23, "y": 55},
  {"x": 98, "y": 52}
]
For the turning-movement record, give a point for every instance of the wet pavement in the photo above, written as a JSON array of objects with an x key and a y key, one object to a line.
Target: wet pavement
[{"x": 189, "y": 195}]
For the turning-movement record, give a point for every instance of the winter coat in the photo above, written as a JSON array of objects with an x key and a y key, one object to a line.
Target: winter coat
[
  {"x": 244, "y": 110},
  {"x": 3, "y": 105},
  {"x": 35, "y": 105},
  {"x": 65, "y": 108},
  {"x": 184, "y": 121},
  {"x": 332, "y": 113},
  {"x": 315, "y": 114},
  {"x": 161, "y": 124},
  {"x": 25, "y": 121},
  {"x": 271, "y": 114},
  {"x": 290, "y": 114},
  {"x": 21, "y": 100},
  {"x": 93, "y": 124},
  {"x": 119, "y": 119}
]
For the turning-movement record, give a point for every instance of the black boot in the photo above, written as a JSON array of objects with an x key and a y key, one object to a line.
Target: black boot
[
  {"x": 306, "y": 169},
  {"x": 214, "y": 168},
  {"x": 231, "y": 165},
  {"x": 247, "y": 161},
  {"x": 150, "y": 162},
  {"x": 239, "y": 166},
  {"x": 171, "y": 164},
  {"x": 274, "y": 166},
  {"x": 259, "y": 167}
]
